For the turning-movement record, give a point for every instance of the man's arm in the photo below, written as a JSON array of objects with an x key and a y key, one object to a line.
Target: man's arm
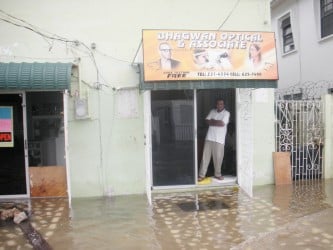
[{"x": 213, "y": 122}]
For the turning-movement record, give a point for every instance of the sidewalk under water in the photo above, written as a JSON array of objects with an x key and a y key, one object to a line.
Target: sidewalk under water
[{"x": 297, "y": 216}]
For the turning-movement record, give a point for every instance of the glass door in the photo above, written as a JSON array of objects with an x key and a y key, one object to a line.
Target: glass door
[
  {"x": 46, "y": 144},
  {"x": 172, "y": 137},
  {"x": 12, "y": 167}
]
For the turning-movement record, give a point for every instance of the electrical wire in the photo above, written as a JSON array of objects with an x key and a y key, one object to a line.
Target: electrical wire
[
  {"x": 50, "y": 38},
  {"x": 230, "y": 13},
  {"x": 43, "y": 58},
  {"x": 111, "y": 57},
  {"x": 38, "y": 32},
  {"x": 47, "y": 36},
  {"x": 136, "y": 53},
  {"x": 225, "y": 20}
]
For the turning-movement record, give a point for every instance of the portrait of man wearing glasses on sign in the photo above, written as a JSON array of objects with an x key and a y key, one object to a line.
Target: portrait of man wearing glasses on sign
[{"x": 165, "y": 62}]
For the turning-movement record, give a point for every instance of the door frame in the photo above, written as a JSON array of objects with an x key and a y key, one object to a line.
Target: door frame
[
  {"x": 63, "y": 98},
  {"x": 25, "y": 138},
  {"x": 243, "y": 105},
  {"x": 195, "y": 130},
  {"x": 147, "y": 143},
  {"x": 245, "y": 147},
  {"x": 148, "y": 146},
  {"x": 26, "y": 155},
  {"x": 65, "y": 110}
]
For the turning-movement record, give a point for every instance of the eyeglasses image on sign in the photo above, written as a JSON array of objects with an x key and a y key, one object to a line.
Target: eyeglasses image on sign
[
  {"x": 201, "y": 59},
  {"x": 211, "y": 60},
  {"x": 222, "y": 60}
]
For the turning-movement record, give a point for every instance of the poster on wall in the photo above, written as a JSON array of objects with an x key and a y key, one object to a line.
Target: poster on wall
[
  {"x": 6, "y": 127},
  {"x": 203, "y": 55},
  {"x": 130, "y": 97}
]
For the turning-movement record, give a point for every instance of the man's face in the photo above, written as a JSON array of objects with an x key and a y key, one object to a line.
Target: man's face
[
  {"x": 165, "y": 51},
  {"x": 220, "y": 105},
  {"x": 202, "y": 58}
]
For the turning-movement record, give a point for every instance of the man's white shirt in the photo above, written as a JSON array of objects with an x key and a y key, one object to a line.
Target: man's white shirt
[{"x": 218, "y": 133}]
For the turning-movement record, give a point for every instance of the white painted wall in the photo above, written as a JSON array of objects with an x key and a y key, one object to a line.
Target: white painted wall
[
  {"x": 311, "y": 60},
  {"x": 264, "y": 136},
  {"x": 328, "y": 142},
  {"x": 106, "y": 152}
]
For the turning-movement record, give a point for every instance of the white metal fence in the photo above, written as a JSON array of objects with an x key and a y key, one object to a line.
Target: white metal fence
[{"x": 300, "y": 131}]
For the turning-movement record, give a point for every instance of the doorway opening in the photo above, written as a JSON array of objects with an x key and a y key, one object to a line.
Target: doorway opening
[
  {"x": 178, "y": 131},
  {"x": 206, "y": 100},
  {"x": 46, "y": 144},
  {"x": 13, "y": 169},
  {"x": 172, "y": 137}
]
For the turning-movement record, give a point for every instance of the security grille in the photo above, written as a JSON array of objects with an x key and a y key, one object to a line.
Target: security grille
[{"x": 299, "y": 130}]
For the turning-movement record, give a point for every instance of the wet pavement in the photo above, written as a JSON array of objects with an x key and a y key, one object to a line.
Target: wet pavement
[{"x": 297, "y": 216}]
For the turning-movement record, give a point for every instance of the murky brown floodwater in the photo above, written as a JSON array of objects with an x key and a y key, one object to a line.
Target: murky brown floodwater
[{"x": 298, "y": 216}]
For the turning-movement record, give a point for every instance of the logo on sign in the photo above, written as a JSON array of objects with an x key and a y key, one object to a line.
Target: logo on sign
[{"x": 5, "y": 136}]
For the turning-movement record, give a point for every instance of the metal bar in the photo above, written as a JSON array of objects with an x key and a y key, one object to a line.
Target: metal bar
[{"x": 299, "y": 130}]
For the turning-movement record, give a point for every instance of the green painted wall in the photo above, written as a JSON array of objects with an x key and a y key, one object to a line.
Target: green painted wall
[{"x": 106, "y": 152}]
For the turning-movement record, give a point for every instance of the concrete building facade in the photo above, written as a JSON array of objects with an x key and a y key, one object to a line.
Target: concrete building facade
[
  {"x": 102, "y": 133},
  {"x": 304, "y": 43}
]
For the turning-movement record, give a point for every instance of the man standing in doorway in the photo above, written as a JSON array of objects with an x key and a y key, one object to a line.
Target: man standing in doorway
[{"x": 217, "y": 120}]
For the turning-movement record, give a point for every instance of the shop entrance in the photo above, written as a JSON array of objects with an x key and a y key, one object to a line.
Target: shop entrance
[
  {"x": 206, "y": 100},
  {"x": 172, "y": 137},
  {"x": 46, "y": 144},
  {"x": 12, "y": 168},
  {"x": 35, "y": 159},
  {"x": 178, "y": 132}
]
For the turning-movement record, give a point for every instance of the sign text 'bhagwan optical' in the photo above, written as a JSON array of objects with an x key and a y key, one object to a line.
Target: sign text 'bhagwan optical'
[{"x": 203, "y": 55}]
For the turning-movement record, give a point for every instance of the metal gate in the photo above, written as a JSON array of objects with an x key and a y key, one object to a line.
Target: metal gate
[{"x": 300, "y": 131}]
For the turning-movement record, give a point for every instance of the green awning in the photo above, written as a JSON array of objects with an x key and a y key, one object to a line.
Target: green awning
[
  {"x": 204, "y": 84},
  {"x": 35, "y": 76},
  {"x": 208, "y": 84}
]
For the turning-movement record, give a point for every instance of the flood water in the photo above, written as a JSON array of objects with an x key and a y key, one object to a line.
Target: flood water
[{"x": 297, "y": 216}]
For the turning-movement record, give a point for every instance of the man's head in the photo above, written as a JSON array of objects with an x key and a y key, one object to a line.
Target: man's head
[
  {"x": 165, "y": 51},
  {"x": 219, "y": 105},
  {"x": 200, "y": 56}
]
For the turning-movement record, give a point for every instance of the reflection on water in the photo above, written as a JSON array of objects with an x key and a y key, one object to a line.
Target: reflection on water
[
  {"x": 283, "y": 217},
  {"x": 202, "y": 206}
]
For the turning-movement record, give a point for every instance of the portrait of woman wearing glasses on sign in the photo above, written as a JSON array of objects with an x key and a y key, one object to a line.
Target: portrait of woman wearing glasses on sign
[{"x": 255, "y": 60}]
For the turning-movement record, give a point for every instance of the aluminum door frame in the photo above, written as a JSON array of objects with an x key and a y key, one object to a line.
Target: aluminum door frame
[{"x": 25, "y": 138}]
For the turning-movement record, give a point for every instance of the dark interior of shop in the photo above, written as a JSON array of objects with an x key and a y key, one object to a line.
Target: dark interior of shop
[{"x": 173, "y": 149}]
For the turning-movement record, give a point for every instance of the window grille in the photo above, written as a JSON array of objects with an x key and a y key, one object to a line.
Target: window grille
[
  {"x": 287, "y": 35},
  {"x": 326, "y": 15}
]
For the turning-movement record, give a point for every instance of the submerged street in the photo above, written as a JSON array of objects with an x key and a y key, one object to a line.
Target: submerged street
[{"x": 297, "y": 216}]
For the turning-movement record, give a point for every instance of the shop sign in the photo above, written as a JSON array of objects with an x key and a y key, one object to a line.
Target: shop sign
[
  {"x": 208, "y": 55},
  {"x": 6, "y": 126}
]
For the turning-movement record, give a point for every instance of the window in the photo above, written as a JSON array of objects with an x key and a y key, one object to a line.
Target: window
[
  {"x": 297, "y": 96},
  {"x": 326, "y": 17},
  {"x": 287, "y": 35}
]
